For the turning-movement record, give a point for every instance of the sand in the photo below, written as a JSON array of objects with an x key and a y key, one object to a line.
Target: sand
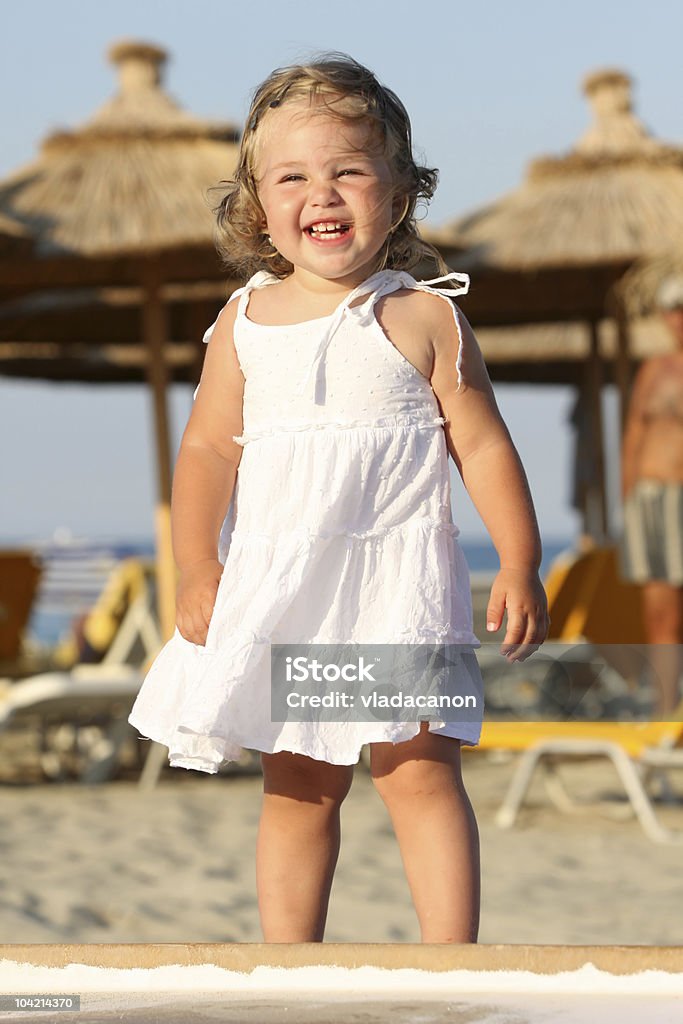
[{"x": 108, "y": 863}]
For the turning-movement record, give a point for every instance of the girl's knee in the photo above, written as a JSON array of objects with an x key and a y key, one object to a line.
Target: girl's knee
[
  {"x": 418, "y": 771},
  {"x": 415, "y": 782},
  {"x": 303, "y": 778}
]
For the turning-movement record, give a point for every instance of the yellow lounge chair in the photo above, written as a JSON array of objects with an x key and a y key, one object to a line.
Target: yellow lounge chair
[
  {"x": 589, "y": 603},
  {"x": 636, "y": 749},
  {"x": 121, "y": 627},
  {"x": 588, "y": 600}
]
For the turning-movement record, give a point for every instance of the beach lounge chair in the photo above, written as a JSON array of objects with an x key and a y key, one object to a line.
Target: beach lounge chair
[
  {"x": 79, "y": 718},
  {"x": 588, "y": 601},
  {"x": 80, "y": 713},
  {"x": 639, "y": 751},
  {"x": 592, "y": 612},
  {"x": 122, "y": 626},
  {"x": 20, "y": 574}
]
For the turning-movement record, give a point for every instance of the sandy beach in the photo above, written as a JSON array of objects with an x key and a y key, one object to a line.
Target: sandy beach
[{"x": 107, "y": 863}]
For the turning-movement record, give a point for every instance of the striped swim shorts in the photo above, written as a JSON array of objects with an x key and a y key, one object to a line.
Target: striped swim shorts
[{"x": 651, "y": 546}]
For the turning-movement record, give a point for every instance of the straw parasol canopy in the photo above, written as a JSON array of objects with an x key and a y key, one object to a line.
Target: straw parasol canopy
[
  {"x": 617, "y": 195},
  {"x": 119, "y": 201},
  {"x": 132, "y": 179}
]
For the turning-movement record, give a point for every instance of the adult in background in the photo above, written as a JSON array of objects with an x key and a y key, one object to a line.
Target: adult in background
[{"x": 652, "y": 489}]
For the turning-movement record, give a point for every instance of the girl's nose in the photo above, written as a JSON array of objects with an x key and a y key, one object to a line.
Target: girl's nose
[{"x": 323, "y": 193}]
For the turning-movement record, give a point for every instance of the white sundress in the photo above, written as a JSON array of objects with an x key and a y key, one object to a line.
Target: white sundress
[{"x": 340, "y": 531}]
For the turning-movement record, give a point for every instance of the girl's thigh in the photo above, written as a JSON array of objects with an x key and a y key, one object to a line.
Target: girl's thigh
[{"x": 303, "y": 778}]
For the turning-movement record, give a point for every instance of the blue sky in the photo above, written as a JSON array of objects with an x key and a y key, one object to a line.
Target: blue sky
[{"x": 488, "y": 86}]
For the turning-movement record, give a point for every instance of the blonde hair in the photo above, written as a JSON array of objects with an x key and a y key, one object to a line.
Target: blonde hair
[{"x": 349, "y": 91}]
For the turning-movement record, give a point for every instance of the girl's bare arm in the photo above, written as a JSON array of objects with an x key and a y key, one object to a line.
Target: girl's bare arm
[
  {"x": 206, "y": 467},
  {"x": 492, "y": 472},
  {"x": 481, "y": 446}
]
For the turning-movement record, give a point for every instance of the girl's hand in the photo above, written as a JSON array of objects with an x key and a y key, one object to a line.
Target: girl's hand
[
  {"x": 522, "y": 593},
  {"x": 196, "y": 597}
]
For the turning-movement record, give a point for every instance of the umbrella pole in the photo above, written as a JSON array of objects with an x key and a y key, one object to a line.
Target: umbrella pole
[
  {"x": 623, "y": 364},
  {"x": 155, "y": 331},
  {"x": 600, "y": 527}
]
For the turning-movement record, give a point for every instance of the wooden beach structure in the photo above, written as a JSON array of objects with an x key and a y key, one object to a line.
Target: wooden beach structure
[
  {"x": 547, "y": 260},
  {"x": 15, "y": 240},
  {"x": 108, "y": 269}
]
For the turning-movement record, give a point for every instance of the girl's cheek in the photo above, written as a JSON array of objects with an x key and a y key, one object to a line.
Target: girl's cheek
[{"x": 289, "y": 203}]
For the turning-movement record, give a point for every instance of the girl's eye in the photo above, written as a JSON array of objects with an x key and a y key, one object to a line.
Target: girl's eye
[
  {"x": 293, "y": 177},
  {"x": 349, "y": 170}
]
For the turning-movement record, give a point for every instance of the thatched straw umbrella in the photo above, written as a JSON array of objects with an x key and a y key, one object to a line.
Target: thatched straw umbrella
[
  {"x": 616, "y": 195},
  {"x": 132, "y": 179},
  {"x": 555, "y": 248},
  {"x": 120, "y": 200}
]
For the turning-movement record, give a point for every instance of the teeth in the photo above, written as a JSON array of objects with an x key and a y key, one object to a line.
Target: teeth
[{"x": 325, "y": 226}]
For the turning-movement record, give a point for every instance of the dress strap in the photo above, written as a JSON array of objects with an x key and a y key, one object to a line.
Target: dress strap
[
  {"x": 382, "y": 283},
  {"x": 448, "y": 294},
  {"x": 259, "y": 279}
]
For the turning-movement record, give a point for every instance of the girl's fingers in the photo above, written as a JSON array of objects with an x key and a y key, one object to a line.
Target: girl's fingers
[
  {"x": 515, "y": 632},
  {"x": 191, "y": 629},
  {"x": 207, "y": 607},
  {"x": 525, "y": 649},
  {"x": 523, "y": 637}
]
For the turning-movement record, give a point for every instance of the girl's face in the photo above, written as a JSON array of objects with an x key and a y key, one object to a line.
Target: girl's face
[{"x": 325, "y": 191}]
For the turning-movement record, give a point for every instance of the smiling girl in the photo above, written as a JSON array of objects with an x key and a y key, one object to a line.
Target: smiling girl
[{"x": 311, "y": 497}]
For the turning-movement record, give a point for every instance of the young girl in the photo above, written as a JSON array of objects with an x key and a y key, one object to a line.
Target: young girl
[{"x": 311, "y": 497}]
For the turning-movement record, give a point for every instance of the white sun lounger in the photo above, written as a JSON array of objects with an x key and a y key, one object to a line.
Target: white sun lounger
[{"x": 81, "y": 716}]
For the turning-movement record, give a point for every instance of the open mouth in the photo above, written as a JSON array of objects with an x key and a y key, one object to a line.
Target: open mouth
[{"x": 327, "y": 230}]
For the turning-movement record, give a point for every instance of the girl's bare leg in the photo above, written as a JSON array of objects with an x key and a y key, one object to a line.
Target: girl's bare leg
[
  {"x": 420, "y": 782},
  {"x": 298, "y": 844}
]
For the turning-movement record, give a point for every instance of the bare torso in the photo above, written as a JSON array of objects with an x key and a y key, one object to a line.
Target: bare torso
[{"x": 660, "y": 453}]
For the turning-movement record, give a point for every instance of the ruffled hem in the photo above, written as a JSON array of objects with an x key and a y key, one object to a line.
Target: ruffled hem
[
  {"x": 233, "y": 752},
  {"x": 204, "y": 705},
  {"x": 208, "y": 754}
]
